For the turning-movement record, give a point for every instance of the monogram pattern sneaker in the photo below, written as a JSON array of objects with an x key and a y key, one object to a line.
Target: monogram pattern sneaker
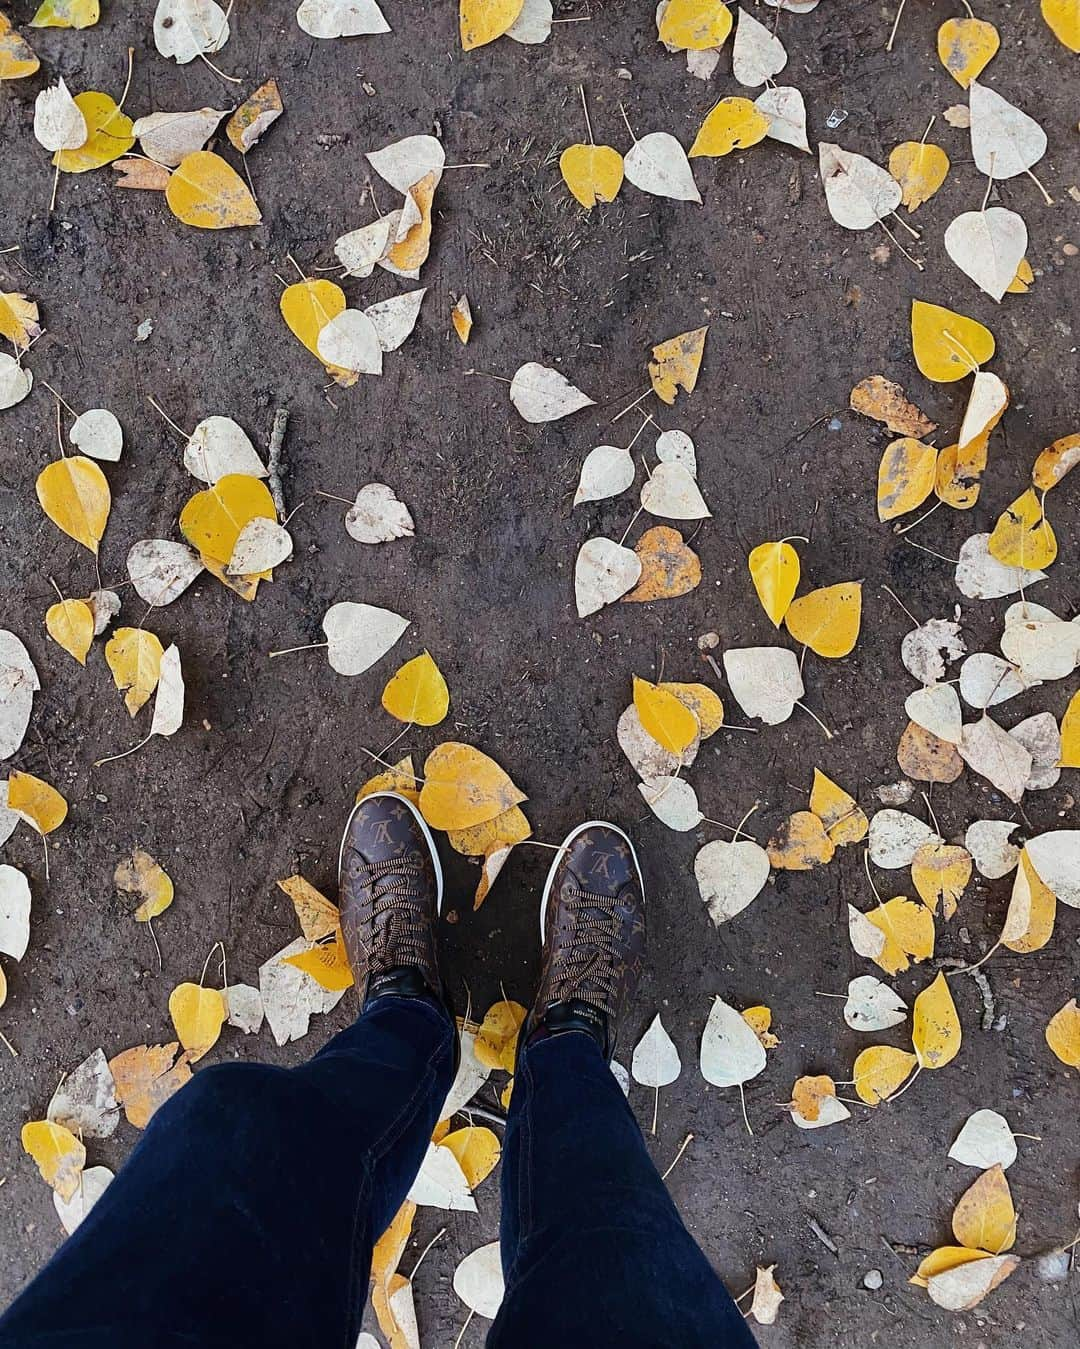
[
  {"x": 592, "y": 925},
  {"x": 390, "y": 889}
]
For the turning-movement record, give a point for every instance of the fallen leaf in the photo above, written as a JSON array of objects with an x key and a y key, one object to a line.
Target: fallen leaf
[
  {"x": 541, "y": 394},
  {"x": 1056, "y": 859},
  {"x": 1004, "y": 140},
  {"x": 592, "y": 173},
  {"x": 85, "y": 1101},
  {"x": 109, "y": 135},
  {"x": 341, "y": 18},
  {"x": 307, "y": 307},
  {"x": 377, "y": 516},
  {"x": 254, "y": 117},
  {"x": 775, "y": 571},
  {"x": 1040, "y": 736},
  {"x": 786, "y": 110},
  {"x": 70, "y": 624},
  {"x": 966, "y": 47},
  {"x": 607, "y": 471},
  {"x": 669, "y": 567},
  {"x": 478, "y": 1281},
  {"x": 883, "y": 401},
  {"x": 927, "y": 649},
  {"x": 477, "y": 1150},
  {"x": 186, "y": 29},
  {"x": 872, "y": 1005},
  {"x": 988, "y": 843},
  {"x": 964, "y": 1287},
  {"x": 895, "y": 837},
  {"x": 656, "y": 1061},
  {"x": 349, "y": 341},
  {"x": 1055, "y": 461},
  {"x": 15, "y": 382},
  {"x": 759, "y": 1019},
  {"x": 730, "y": 876},
  {"x": 462, "y": 319},
  {"x": 731, "y": 1052},
  {"x": 408, "y": 254},
  {"x": 984, "y": 1218},
  {"x": 858, "y": 192},
  {"x": 168, "y": 714},
  {"x": 940, "y": 873},
  {"x": 139, "y": 874},
  {"x": 134, "y": 657},
  {"x": 908, "y": 928},
  {"x": 879, "y": 1071},
  {"x": 1063, "y": 1034},
  {"x": 358, "y": 635},
  {"x": 36, "y": 802},
  {"x": 1023, "y": 536},
  {"x": 394, "y": 319},
  {"x": 97, "y": 433},
  {"x": 986, "y": 406},
  {"x": 93, "y": 1183},
  {"x": 198, "y": 1015},
  {"x": 104, "y": 605},
  {"x": 74, "y": 494},
  {"x": 986, "y": 680},
  {"x": 471, "y": 1074},
  {"x": 497, "y": 1037},
  {"x": 985, "y": 1141},
  {"x": 18, "y": 683},
  {"x": 17, "y": 59},
  {"x": 765, "y": 1304},
  {"x": 141, "y": 174},
  {"x": 694, "y": 25},
  {"x": 533, "y": 24},
  {"x": 220, "y": 447},
  {"x": 988, "y": 246},
  {"x": 603, "y": 573},
  {"x": 169, "y": 137},
  {"x": 261, "y": 545},
  {"x": 59, "y": 1155},
  {"x": 947, "y": 345},
  {"x": 676, "y": 364},
  {"x": 672, "y": 492},
  {"x": 926, "y": 757},
  {"x": 665, "y": 717},
  {"x": 417, "y": 694},
  {"x": 980, "y": 576},
  {"x": 673, "y": 802},
  {"x": 920, "y": 168},
  {"x": 482, "y": 21},
  {"x": 757, "y": 53},
  {"x": 161, "y": 569},
  {"x": 935, "y": 1025},
  {"x": 827, "y": 620},
  {"x": 463, "y": 787},
  {"x": 702, "y": 701},
  {"x": 991, "y": 752},
  {"x": 657, "y": 164},
  {"x": 212, "y": 520},
  {"x": 19, "y": 319},
  {"x": 906, "y": 477},
  {"x": 808, "y": 1094},
  {"x": 14, "y": 912},
  {"x": 58, "y": 120},
  {"x": 841, "y": 816},
  {"x": 765, "y": 681},
  {"x": 676, "y": 447},
  {"x": 649, "y": 759},
  {"x": 733, "y": 124},
  {"x": 146, "y": 1077},
  {"x": 291, "y": 996},
  {"x": 1063, "y": 19},
  {"x": 800, "y": 844},
  {"x": 327, "y": 963},
  {"x": 503, "y": 830},
  {"x": 1029, "y": 920}
]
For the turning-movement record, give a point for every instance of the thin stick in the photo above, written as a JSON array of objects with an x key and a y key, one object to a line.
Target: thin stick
[
  {"x": 626, "y": 119},
  {"x": 332, "y": 496},
  {"x": 897, "y": 1094},
  {"x": 923, "y": 549},
  {"x": 630, "y": 526},
  {"x": 585, "y": 109},
  {"x": 930, "y": 812},
  {"x": 914, "y": 261},
  {"x": 111, "y": 758},
  {"x": 927, "y": 131},
  {"x": 866, "y": 864},
  {"x": 682, "y": 1148},
  {"x": 55, "y": 185},
  {"x": 11, "y": 1050},
  {"x": 153, "y": 938},
  {"x": 60, "y": 434},
  {"x": 288, "y": 651},
  {"x": 915, "y": 234},
  {"x": 445, "y": 167},
  {"x": 58, "y": 398},
  {"x": 896, "y": 25}
]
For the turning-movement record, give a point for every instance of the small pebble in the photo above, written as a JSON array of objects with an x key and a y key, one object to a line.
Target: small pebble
[
  {"x": 708, "y": 641},
  {"x": 873, "y": 1279},
  {"x": 1053, "y": 1267}
]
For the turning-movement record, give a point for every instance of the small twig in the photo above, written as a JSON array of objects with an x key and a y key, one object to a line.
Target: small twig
[
  {"x": 819, "y": 1231},
  {"x": 275, "y": 459},
  {"x": 682, "y": 1148}
]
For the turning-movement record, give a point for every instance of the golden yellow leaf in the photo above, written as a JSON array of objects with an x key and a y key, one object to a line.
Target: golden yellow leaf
[
  {"x": 1070, "y": 734},
  {"x": 956, "y": 489},
  {"x": 463, "y": 787},
  {"x": 1029, "y": 923},
  {"x": 400, "y": 779},
  {"x": 827, "y": 620},
  {"x": 208, "y": 193},
  {"x": 592, "y": 173},
  {"x": 843, "y": 818},
  {"x": 18, "y": 319},
  {"x": 883, "y": 400},
  {"x": 482, "y": 21},
  {"x": 759, "y": 1019},
  {"x": 477, "y": 1151},
  {"x": 808, "y": 1094},
  {"x": 412, "y": 251},
  {"x": 944, "y": 1258},
  {"x": 496, "y": 1040},
  {"x": 74, "y": 494},
  {"x": 70, "y": 623},
  {"x": 254, "y": 117},
  {"x": 1063, "y": 1034},
  {"x": 385, "y": 1259},
  {"x": 38, "y": 803},
  {"x": 146, "y": 1077},
  {"x": 935, "y": 1026},
  {"x": 920, "y": 169},
  {"x": 317, "y": 916},
  {"x": 1063, "y": 18},
  {"x": 327, "y": 963},
  {"x": 984, "y": 1218},
  {"x": 198, "y": 1015},
  {"x": 17, "y": 59},
  {"x": 307, "y": 307},
  {"x": 140, "y": 875},
  {"x": 134, "y": 657},
  {"x": 669, "y": 567},
  {"x": 879, "y": 1071},
  {"x": 417, "y": 694},
  {"x": 59, "y": 1155},
  {"x": 664, "y": 716},
  {"x": 244, "y": 586},
  {"x": 3, "y": 988},
  {"x": 212, "y": 520},
  {"x": 733, "y": 124},
  {"x": 676, "y": 363},
  {"x": 702, "y": 701},
  {"x": 66, "y": 14},
  {"x": 906, "y": 477},
  {"x": 966, "y": 47},
  {"x": 504, "y": 830},
  {"x": 801, "y": 843},
  {"x": 462, "y": 319},
  {"x": 695, "y": 25},
  {"x": 924, "y": 756},
  {"x": 775, "y": 571},
  {"x": 947, "y": 346},
  {"x": 908, "y": 928},
  {"x": 1023, "y": 536},
  {"x": 940, "y": 872},
  {"x": 1023, "y": 281},
  {"x": 110, "y": 135},
  {"x": 505, "y": 1094},
  {"x": 1055, "y": 461}
]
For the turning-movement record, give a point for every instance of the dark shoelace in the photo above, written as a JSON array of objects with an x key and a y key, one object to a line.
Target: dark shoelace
[
  {"x": 393, "y": 908},
  {"x": 589, "y": 968}
]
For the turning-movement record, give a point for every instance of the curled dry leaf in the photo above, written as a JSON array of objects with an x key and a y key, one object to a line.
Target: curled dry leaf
[
  {"x": 765, "y": 1304},
  {"x": 884, "y": 401},
  {"x": 254, "y": 117},
  {"x": 462, "y": 319},
  {"x": 1055, "y": 461},
  {"x": 146, "y": 1077},
  {"x": 786, "y": 111},
  {"x": 35, "y": 801}
]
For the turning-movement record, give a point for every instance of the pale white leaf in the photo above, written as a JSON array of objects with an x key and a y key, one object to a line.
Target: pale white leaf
[
  {"x": 702, "y": 64},
  {"x": 15, "y": 382},
  {"x": 991, "y": 752},
  {"x": 650, "y": 759},
  {"x": 672, "y": 493},
  {"x": 988, "y": 246},
  {"x": 1056, "y": 859},
  {"x": 1040, "y": 736},
  {"x": 170, "y": 137},
  {"x": 18, "y": 683},
  {"x": 981, "y": 576},
  {"x": 676, "y": 447},
  {"x": 104, "y": 605},
  {"x": 872, "y": 1005},
  {"x": 658, "y": 164},
  {"x": 786, "y": 111},
  {"x": 470, "y": 1077},
  {"x": 895, "y": 837},
  {"x": 341, "y": 18},
  {"x": 603, "y": 573},
  {"x": 858, "y": 192},
  {"x": 673, "y": 802},
  {"x": 985, "y": 1141},
  {"x": 186, "y": 29},
  {"x": 963, "y": 1287},
  {"x": 541, "y": 394},
  {"x": 359, "y": 250},
  {"x": 291, "y": 997},
  {"x": 1041, "y": 645},
  {"x": 765, "y": 681},
  {"x": 377, "y": 516},
  {"x": 395, "y": 318},
  {"x": 85, "y": 1101},
  {"x": 351, "y": 341},
  {"x": 986, "y": 403},
  {"x": 478, "y": 1281},
  {"x": 927, "y": 649},
  {"x": 831, "y": 1111},
  {"x": 403, "y": 1311},
  {"x": 1004, "y": 140},
  {"x": 14, "y": 911},
  {"x": 403, "y": 163},
  {"x": 730, "y": 876},
  {"x": 757, "y": 54},
  {"x": 220, "y": 446},
  {"x": 9, "y": 819},
  {"x": 986, "y": 680},
  {"x": 97, "y": 433},
  {"x": 731, "y": 1052},
  {"x": 59, "y": 123},
  {"x": 533, "y": 24},
  {"x": 441, "y": 1183},
  {"x": 866, "y": 939},
  {"x": 936, "y": 709},
  {"x": 621, "y": 1076},
  {"x": 656, "y": 1061},
  {"x": 162, "y": 569},
  {"x": 261, "y": 545},
  {"x": 245, "y": 1007},
  {"x": 765, "y": 1304},
  {"x": 607, "y": 471},
  {"x": 93, "y": 1182},
  {"x": 169, "y": 696},
  {"x": 988, "y": 843},
  {"x": 359, "y": 635}
]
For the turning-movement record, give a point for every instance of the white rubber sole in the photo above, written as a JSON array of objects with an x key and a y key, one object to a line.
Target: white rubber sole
[
  {"x": 589, "y": 824},
  {"x": 396, "y": 796}
]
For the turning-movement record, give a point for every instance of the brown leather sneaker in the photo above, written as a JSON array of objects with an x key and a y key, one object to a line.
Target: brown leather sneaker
[
  {"x": 390, "y": 889},
  {"x": 592, "y": 925}
]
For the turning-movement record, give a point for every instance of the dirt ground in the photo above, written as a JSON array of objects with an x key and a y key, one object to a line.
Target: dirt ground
[{"x": 257, "y": 783}]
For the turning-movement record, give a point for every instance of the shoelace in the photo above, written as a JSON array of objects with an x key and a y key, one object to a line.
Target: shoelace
[
  {"x": 394, "y": 905},
  {"x": 590, "y": 967}
]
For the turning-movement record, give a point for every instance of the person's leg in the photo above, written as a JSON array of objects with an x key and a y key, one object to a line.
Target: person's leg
[
  {"x": 248, "y": 1211},
  {"x": 594, "y": 1251}
]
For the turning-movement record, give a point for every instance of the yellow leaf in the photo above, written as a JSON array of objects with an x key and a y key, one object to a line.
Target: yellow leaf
[
  {"x": 146, "y": 1077},
  {"x": 417, "y": 694},
  {"x": 908, "y": 928},
  {"x": 327, "y": 963},
  {"x": 482, "y": 21},
  {"x": 18, "y": 319},
  {"x": 879, "y": 1071},
  {"x": 677, "y": 362},
  {"x": 244, "y": 586},
  {"x": 827, "y": 620},
  {"x": 665, "y": 717},
  {"x": 695, "y": 25},
  {"x": 134, "y": 657},
  {"x": 841, "y": 815},
  {"x": 957, "y": 489},
  {"x": 1063, "y": 17},
  {"x": 462, "y": 319},
  {"x": 1023, "y": 536},
  {"x": 984, "y": 1218},
  {"x": 254, "y": 117},
  {"x": 669, "y": 567},
  {"x": 734, "y": 124},
  {"x": 702, "y": 701},
  {"x": 385, "y": 1259},
  {"x": 17, "y": 59},
  {"x": 592, "y": 173},
  {"x": 906, "y": 477},
  {"x": 808, "y": 1094},
  {"x": 198, "y": 1015},
  {"x": 759, "y": 1019},
  {"x": 1023, "y": 281},
  {"x": 504, "y": 830},
  {"x": 208, "y": 193},
  {"x": 59, "y": 1155},
  {"x": 74, "y": 494},
  {"x": 67, "y": 14},
  {"x": 944, "y": 1258},
  {"x": 1055, "y": 461},
  {"x": 412, "y": 251},
  {"x": 110, "y": 135},
  {"x": 400, "y": 779},
  {"x": 940, "y": 871},
  {"x": 1070, "y": 734},
  {"x": 801, "y": 843},
  {"x": 920, "y": 169},
  {"x": 70, "y": 623},
  {"x": 935, "y": 1026},
  {"x": 140, "y": 875},
  {"x": 1029, "y": 923},
  {"x": 317, "y": 916},
  {"x": 947, "y": 346},
  {"x": 477, "y": 1151},
  {"x": 463, "y": 787},
  {"x": 37, "y": 802},
  {"x": 966, "y": 47},
  {"x": 213, "y": 519},
  {"x": 3, "y": 988},
  {"x": 885, "y": 401},
  {"x": 775, "y": 571},
  {"x": 496, "y": 1040},
  {"x": 307, "y": 307},
  {"x": 1063, "y": 1034},
  {"x": 505, "y": 1094}
]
